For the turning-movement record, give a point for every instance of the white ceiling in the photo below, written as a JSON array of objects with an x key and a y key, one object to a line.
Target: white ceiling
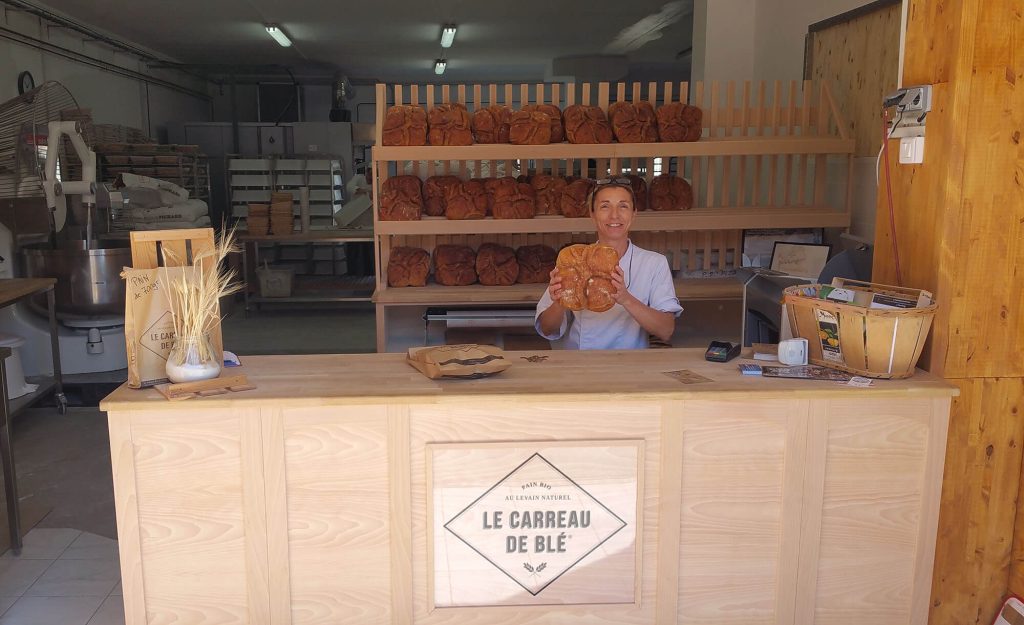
[{"x": 392, "y": 40}]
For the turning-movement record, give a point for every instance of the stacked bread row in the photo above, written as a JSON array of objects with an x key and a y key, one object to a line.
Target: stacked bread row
[
  {"x": 406, "y": 198},
  {"x": 537, "y": 124},
  {"x": 461, "y": 265}
]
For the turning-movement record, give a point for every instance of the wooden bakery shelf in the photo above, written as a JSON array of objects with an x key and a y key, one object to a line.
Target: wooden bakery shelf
[
  {"x": 475, "y": 294},
  {"x": 696, "y": 219},
  {"x": 763, "y": 160},
  {"x": 734, "y": 146}
]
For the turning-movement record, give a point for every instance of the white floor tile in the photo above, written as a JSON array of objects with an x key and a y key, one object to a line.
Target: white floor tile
[
  {"x": 77, "y": 578},
  {"x": 51, "y": 611},
  {"x": 6, "y": 602},
  {"x": 91, "y": 547},
  {"x": 110, "y": 613},
  {"x": 44, "y": 544},
  {"x": 17, "y": 575}
]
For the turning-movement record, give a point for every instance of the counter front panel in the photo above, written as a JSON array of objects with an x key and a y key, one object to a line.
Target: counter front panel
[{"x": 817, "y": 506}]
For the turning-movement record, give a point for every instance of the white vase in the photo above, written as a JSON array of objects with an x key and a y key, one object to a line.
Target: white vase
[{"x": 184, "y": 363}]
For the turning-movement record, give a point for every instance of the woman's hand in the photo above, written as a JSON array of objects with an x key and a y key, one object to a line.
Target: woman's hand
[
  {"x": 621, "y": 294},
  {"x": 555, "y": 286}
]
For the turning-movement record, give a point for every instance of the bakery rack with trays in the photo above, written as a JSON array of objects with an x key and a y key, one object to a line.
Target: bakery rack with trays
[{"x": 763, "y": 161}]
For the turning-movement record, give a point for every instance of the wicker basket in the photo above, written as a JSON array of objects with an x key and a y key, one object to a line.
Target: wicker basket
[{"x": 872, "y": 342}]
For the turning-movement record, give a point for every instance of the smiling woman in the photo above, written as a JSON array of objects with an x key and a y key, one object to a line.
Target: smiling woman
[{"x": 644, "y": 296}]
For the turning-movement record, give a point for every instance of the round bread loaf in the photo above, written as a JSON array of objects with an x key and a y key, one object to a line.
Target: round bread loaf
[
  {"x": 586, "y": 272},
  {"x": 491, "y": 124},
  {"x": 575, "y": 196},
  {"x": 548, "y": 190},
  {"x": 466, "y": 200},
  {"x": 679, "y": 122},
  {"x": 454, "y": 265},
  {"x": 633, "y": 122},
  {"x": 449, "y": 124},
  {"x": 529, "y": 128},
  {"x": 639, "y": 186},
  {"x": 670, "y": 193},
  {"x": 535, "y": 263},
  {"x": 496, "y": 265},
  {"x": 555, "y": 117},
  {"x": 513, "y": 200},
  {"x": 586, "y": 124},
  {"x": 435, "y": 194},
  {"x": 405, "y": 124},
  {"x": 401, "y": 199},
  {"x": 408, "y": 266}
]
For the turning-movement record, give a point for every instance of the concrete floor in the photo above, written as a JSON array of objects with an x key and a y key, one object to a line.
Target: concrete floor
[{"x": 64, "y": 460}]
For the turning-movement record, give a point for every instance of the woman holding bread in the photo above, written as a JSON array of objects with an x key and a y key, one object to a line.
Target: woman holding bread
[{"x": 613, "y": 294}]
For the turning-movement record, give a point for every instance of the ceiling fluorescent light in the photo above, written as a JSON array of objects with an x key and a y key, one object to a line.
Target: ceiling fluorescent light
[
  {"x": 275, "y": 31},
  {"x": 439, "y": 66},
  {"x": 447, "y": 35}
]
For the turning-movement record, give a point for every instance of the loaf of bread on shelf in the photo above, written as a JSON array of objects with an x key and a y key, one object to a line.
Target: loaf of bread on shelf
[
  {"x": 405, "y": 124},
  {"x": 678, "y": 121},
  {"x": 529, "y": 128},
  {"x": 586, "y": 124},
  {"x": 496, "y": 265},
  {"x": 535, "y": 263},
  {"x": 489, "y": 185},
  {"x": 401, "y": 198},
  {"x": 513, "y": 200},
  {"x": 586, "y": 272},
  {"x": 670, "y": 193},
  {"x": 633, "y": 122},
  {"x": 554, "y": 116},
  {"x": 466, "y": 200},
  {"x": 449, "y": 124},
  {"x": 548, "y": 190},
  {"x": 454, "y": 265},
  {"x": 491, "y": 124},
  {"x": 576, "y": 196},
  {"x": 435, "y": 194},
  {"x": 639, "y": 186},
  {"x": 408, "y": 266}
]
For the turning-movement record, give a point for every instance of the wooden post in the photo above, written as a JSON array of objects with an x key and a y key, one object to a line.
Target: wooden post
[{"x": 959, "y": 220}]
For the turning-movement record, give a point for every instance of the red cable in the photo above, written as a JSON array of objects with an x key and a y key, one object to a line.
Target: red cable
[{"x": 888, "y": 189}]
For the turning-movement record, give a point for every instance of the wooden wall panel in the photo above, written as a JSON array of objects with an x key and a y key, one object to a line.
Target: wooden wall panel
[
  {"x": 189, "y": 480},
  {"x": 871, "y": 506},
  {"x": 859, "y": 60},
  {"x": 338, "y": 534},
  {"x": 979, "y": 501},
  {"x": 739, "y": 486},
  {"x": 959, "y": 220}
]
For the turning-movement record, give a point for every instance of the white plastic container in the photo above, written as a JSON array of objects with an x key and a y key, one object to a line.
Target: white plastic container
[{"x": 16, "y": 384}]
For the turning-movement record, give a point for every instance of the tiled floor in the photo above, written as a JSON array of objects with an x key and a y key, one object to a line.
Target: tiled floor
[{"x": 61, "y": 577}]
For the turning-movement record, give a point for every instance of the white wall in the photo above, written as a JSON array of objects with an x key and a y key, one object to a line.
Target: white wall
[
  {"x": 723, "y": 39},
  {"x": 780, "y": 30},
  {"x": 112, "y": 97}
]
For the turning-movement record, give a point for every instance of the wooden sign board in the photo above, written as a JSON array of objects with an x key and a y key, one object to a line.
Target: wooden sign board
[{"x": 534, "y": 523}]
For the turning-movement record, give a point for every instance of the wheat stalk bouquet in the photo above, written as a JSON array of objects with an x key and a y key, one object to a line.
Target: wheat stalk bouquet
[{"x": 195, "y": 294}]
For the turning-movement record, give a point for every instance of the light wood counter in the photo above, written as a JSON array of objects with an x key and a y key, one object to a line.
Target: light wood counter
[{"x": 351, "y": 489}]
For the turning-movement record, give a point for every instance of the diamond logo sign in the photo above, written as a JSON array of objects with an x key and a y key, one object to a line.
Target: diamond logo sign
[{"x": 535, "y": 524}]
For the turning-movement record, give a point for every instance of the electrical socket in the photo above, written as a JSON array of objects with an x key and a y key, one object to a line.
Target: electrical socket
[{"x": 916, "y": 99}]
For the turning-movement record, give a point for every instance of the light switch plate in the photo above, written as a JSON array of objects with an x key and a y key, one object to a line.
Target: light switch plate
[{"x": 912, "y": 150}]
